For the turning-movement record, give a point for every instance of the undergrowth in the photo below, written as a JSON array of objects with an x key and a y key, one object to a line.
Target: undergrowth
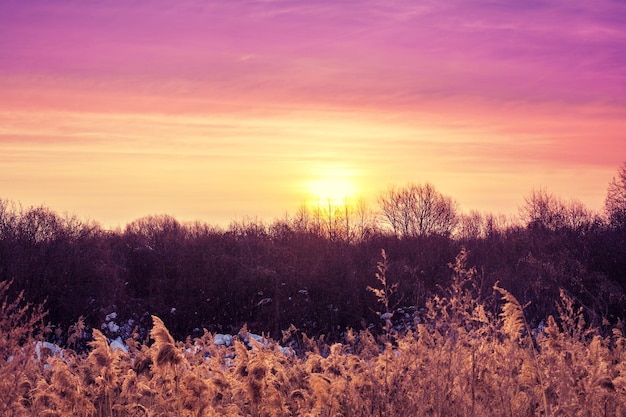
[{"x": 462, "y": 358}]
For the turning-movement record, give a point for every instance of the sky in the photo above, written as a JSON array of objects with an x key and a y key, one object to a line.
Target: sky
[{"x": 221, "y": 110}]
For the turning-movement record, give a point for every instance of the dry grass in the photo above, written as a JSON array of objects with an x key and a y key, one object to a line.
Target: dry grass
[{"x": 459, "y": 361}]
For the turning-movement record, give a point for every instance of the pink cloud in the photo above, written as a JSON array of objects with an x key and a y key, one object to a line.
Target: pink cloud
[
  {"x": 336, "y": 53},
  {"x": 474, "y": 87}
]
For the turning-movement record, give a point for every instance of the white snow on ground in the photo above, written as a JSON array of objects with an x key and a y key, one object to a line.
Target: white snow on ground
[
  {"x": 49, "y": 349},
  {"x": 118, "y": 343},
  {"x": 113, "y": 328},
  {"x": 44, "y": 350},
  {"x": 263, "y": 342},
  {"x": 222, "y": 339},
  {"x": 109, "y": 324}
]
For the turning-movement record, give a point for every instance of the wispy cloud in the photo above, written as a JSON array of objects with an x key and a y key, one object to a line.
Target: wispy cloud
[
  {"x": 329, "y": 52},
  {"x": 257, "y": 91}
]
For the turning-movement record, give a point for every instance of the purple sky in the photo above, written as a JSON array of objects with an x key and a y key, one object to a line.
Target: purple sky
[{"x": 162, "y": 103}]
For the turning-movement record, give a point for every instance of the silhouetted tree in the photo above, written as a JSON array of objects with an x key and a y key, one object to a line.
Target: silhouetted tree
[
  {"x": 615, "y": 203},
  {"x": 155, "y": 246},
  {"x": 471, "y": 225},
  {"x": 578, "y": 217},
  {"x": 418, "y": 210},
  {"x": 349, "y": 221},
  {"x": 544, "y": 210}
]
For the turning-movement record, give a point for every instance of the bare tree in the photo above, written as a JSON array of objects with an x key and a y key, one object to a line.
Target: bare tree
[
  {"x": 578, "y": 216},
  {"x": 418, "y": 210},
  {"x": 545, "y": 210},
  {"x": 365, "y": 220},
  {"x": 350, "y": 221},
  {"x": 615, "y": 203},
  {"x": 8, "y": 219},
  {"x": 471, "y": 225}
]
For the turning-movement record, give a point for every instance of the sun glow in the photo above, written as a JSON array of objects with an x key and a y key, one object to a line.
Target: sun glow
[{"x": 333, "y": 189}]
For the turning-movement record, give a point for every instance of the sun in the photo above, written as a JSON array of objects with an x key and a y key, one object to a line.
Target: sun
[{"x": 335, "y": 190}]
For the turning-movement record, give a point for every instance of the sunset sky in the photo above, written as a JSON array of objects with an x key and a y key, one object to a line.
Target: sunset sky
[{"x": 216, "y": 110}]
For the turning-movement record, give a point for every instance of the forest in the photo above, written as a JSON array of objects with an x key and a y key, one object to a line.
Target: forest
[
  {"x": 315, "y": 269},
  {"x": 410, "y": 309}
]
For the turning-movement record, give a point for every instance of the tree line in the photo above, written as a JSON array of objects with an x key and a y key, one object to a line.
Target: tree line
[{"x": 312, "y": 269}]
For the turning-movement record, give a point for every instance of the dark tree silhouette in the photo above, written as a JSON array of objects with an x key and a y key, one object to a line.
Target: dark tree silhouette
[
  {"x": 418, "y": 210},
  {"x": 544, "y": 210},
  {"x": 312, "y": 269},
  {"x": 615, "y": 203}
]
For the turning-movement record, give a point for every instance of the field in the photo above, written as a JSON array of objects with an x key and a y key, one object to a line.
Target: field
[{"x": 457, "y": 359}]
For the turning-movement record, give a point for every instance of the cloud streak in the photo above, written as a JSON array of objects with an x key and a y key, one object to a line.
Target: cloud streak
[{"x": 266, "y": 90}]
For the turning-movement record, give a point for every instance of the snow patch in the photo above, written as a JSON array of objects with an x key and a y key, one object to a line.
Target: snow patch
[
  {"x": 48, "y": 349},
  {"x": 113, "y": 328},
  {"x": 222, "y": 340},
  {"x": 118, "y": 344}
]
